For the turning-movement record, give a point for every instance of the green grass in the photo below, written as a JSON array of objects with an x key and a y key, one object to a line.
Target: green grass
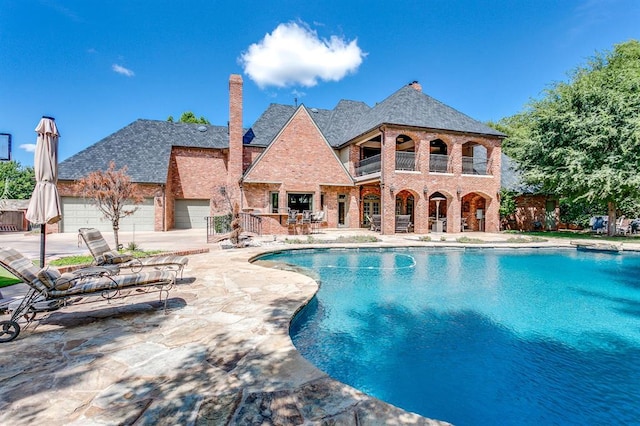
[
  {"x": 86, "y": 260},
  {"x": 7, "y": 279},
  {"x": 72, "y": 260}
]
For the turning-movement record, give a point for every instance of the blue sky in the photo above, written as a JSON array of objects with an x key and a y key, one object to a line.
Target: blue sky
[{"x": 98, "y": 66}]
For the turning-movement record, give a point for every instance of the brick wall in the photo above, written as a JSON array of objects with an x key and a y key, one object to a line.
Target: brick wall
[
  {"x": 531, "y": 209},
  {"x": 454, "y": 186}
]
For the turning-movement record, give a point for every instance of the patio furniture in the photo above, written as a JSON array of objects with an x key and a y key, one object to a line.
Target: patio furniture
[
  {"x": 57, "y": 290},
  {"x": 376, "y": 222},
  {"x": 103, "y": 255},
  {"x": 316, "y": 219},
  {"x": 403, "y": 223},
  {"x": 305, "y": 222},
  {"x": 464, "y": 225},
  {"x": 598, "y": 224},
  {"x": 292, "y": 220},
  {"x": 623, "y": 226}
]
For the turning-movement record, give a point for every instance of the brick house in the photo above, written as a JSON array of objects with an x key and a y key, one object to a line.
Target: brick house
[{"x": 408, "y": 155}]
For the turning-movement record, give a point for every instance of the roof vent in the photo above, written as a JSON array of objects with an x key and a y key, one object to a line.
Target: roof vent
[
  {"x": 202, "y": 128},
  {"x": 314, "y": 110}
]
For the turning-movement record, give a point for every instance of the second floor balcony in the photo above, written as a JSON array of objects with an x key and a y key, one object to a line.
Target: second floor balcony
[{"x": 406, "y": 161}]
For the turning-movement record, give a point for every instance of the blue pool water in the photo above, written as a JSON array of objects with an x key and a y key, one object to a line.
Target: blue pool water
[{"x": 479, "y": 336}]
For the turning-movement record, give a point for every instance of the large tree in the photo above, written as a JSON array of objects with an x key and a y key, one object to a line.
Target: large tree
[
  {"x": 582, "y": 139},
  {"x": 112, "y": 192},
  {"x": 16, "y": 181}
]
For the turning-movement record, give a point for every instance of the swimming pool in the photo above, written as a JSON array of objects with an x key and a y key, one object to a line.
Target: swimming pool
[{"x": 479, "y": 336}]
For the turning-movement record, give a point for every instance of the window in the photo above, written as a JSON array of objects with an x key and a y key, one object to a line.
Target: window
[
  {"x": 274, "y": 202},
  {"x": 300, "y": 202}
]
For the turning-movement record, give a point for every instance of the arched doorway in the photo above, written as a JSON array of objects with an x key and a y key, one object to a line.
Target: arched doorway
[
  {"x": 438, "y": 212},
  {"x": 473, "y": 212}
]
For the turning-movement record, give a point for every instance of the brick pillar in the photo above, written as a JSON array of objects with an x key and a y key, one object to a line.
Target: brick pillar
[
  {"x": 388, "y": 172},
  {"x": 234, "y": 162}
]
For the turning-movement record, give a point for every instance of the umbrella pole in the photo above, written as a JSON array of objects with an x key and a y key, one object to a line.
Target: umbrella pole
[{"x": 42, "y": 241}]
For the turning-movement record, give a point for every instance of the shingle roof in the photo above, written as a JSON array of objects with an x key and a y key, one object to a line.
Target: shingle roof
[
  {"x": 144, "y": 146},
  {"x": 511, "y": 177},
  {"x": 270, "y": 123},
  {"x": 332, "y": 123},
  {"x": 410, "y": 107}
]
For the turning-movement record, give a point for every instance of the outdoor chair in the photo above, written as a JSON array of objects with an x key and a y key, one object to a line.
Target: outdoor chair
[
  {"x": 403, "y": 223},
  {"x": 305, "y": 221},
  {"x": 623, "y": 226},
  {"x": 316, "y": 220},
  {"x": 103, "y": 255},
  {"x": 598, "y": 224},
  {"x": 57, "y": 290},
  {"x": 376, "y": 222},
  {"x": 292, "y": 220}
]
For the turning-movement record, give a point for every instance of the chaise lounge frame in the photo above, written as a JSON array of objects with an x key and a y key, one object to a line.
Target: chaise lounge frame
[
  {"x": 48, "y": 285},
  {"x": 103, "y": 255}
]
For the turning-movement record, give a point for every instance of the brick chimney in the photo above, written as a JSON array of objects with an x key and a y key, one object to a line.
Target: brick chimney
[
  {"x": 414, "y": 84},
  {"x": 234, "y": 164}
]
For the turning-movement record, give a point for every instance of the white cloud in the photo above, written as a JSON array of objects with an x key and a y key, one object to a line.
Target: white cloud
[
  {"x": 122, "y": 70},
  {"x": 294, "y": 55},
  {"x": 29, "y": 147}
]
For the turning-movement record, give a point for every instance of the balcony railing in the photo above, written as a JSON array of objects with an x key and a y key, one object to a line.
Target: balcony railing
[
  {"x": 438, "y": 163},
  {"x": 474, "y": 166},
  {"x": 405, "y": 160},
  {"x": 368, "y": 165}
]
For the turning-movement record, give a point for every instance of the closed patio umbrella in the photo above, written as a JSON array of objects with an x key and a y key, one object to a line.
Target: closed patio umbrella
[{"x": 44, "y": 206}]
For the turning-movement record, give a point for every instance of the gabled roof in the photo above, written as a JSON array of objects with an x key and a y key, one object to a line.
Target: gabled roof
[
  {"x": 332, "y": 123},
  {"x": 410, "y": 107},
  {"x": 144, "y": 146},
  {"x": 323, "y": 162}
]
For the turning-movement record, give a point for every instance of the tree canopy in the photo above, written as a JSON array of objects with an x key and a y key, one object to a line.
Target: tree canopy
[
  {"x": 582, "y": 139},
  {"x": 189, "y": 117},
  {"x": 16, "y": 182}
]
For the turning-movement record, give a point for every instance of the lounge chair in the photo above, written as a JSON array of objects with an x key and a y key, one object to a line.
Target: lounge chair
[
  {"x": 103, "y": 255},
  {"x": 403, "y": 223},
  {"x": 56, "y": 290}
]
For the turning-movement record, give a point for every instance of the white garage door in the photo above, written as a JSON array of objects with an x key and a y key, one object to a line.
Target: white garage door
[
  {"x": 79, "y": 213},
  {"x": 191, "y": 213}
]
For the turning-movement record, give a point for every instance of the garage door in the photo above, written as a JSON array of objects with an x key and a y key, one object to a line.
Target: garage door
[
  {"x": 79, "y": 213},
  {"x": 191, "y": 213}
]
